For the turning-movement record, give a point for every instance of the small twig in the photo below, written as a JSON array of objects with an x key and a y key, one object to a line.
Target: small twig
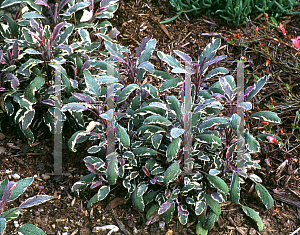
[{"x": 296, "y": 231}]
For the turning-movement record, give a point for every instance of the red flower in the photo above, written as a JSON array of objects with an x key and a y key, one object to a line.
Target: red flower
[
  {"x": 296, "y": 42},
  {"x": 272, "y": 139}
]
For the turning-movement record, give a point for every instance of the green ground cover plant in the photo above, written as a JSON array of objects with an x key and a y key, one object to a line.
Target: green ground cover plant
[{"x": 233, "y": 11}]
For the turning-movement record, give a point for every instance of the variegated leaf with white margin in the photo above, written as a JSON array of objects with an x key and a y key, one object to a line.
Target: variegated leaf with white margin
[
  {"x": 176, "y": 132},
  {"x": 266, "y": 116}
]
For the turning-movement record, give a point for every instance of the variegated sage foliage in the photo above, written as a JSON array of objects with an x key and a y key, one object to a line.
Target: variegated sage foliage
[
  {"x": 46, "y": 50},
  {"x": 150, "y": 131},
  {"x": 10, "y": 191}
]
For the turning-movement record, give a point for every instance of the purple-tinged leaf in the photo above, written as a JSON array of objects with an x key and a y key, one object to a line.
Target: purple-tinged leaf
[
  {"x": 43, "y": 3},
  {"x": 34, "y": 35},
  {"x": 142, "y": 46},
  {"x": 2, "y": 89},
  {"x": 13, "y": 80},
  {"x": 216, "y": 59},
  {"x": 1, "y": 56},
  {"x": 65, "y": 47},
  {"x": 62, "y": 4},
  {"x": 7, "y": 191},
  {"x": 164, "y": 207},
  {"x": 146, "y": 171},
  {"x": 183, "y": 56},
  {"x": 49, "y": 102},
  {"x": 248, "y": 90},
  {"x": 82, "y": 97},
  {"x": 36, "y": 27},
  {"x": 95, "y": 134},
  {"x": 33, "y": 201},
  {"x": 167, "y": 193},
  {"x": 230, "y": 151},
  {"x": 121, "y": 161},
  {"x": 91, "y": 168},
  {"x": 220, "y": 96},
  {"x": 9, "y": 56},
  {"x": 114, "y": 33},
  {"x": 99, "y": 11},
  {"x": 96, "y": 184},
  {"x": 226, "y": 87},
  {"x": 153, "y": 181},
  {"x": 86, "y": 65},
  {"x": 182, "y": 211},
  {"x": 15, "y": 51},
  {"x": 114, "y": 57},
  {"x": 56, "y": 31}
]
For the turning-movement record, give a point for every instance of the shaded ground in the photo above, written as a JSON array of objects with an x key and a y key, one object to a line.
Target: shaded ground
[{"x": 135, "y": 20}]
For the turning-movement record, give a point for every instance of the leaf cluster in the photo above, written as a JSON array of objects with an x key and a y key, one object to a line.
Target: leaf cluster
[
  {"x": 151, "y": 128},
  {"x": 10, "y": 191}
]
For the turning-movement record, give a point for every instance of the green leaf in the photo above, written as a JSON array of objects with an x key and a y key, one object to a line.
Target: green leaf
[
  {"x": 122, "y": 136},
  {"x": 257, "y": 87},
  {"x": 156, "y": 140},
  {"x": 212, "y": 122},
  {"x": 152, "y": 90},
  {"x": 162, "y": 75},
  {"x": 152, "y": 210},
  {"x": 175, "y": 82},
  {"x": 72, "y": 141},
  {"x": 200, "y": 207},
  {"x": 2, "y": 225},
  {"x": 174, "y": 105},
  {"x": 251, "y": 143},
  {"x": 21, "y": 186},
  {"x": 137, "y": 201},
  {"x": 173, "y": 149},
  {"x": 78, "y": 6},
  {"x": 142, "y": 151},
  {"x": 25, "y": 67},
  {"x": 12, "y": 213},
  {"x": 27, "y": 119},
  {"x": 167, "y": 216},
  {"x": 158, "y": 120},
  {"x": 3, "y": 184},
  {"x": 30, "y": 229},
  {"x": 145, "y": 56},
  {"x": 150, "y": 110},
  {"x": 218, "y": 183},
  {"x": 149, "y": 197},
  {"x": 92, "y": 83},
  {"x": 171, "y": 173},
  {"x": 34, "y": 85},
  {"x": 215, "y": 141},
  {"x": 149, "y": 129},
  {"x": 176, "y": 132},
  {"x": 210, "y": 220},
  {"x": 235, "y": 189},
  {"x": 264, "y": 195},
  {"x": 112, "y": 172},
  {"x": 13, "y": 26},
  {"x": 32, "y": 15},
  {"x": 210, "y": 51},
  {"x": 126, "y": 92},
  {"x": 170, "y": 60},
  {"x": 213, "y": 204},
  {"x": 266, "y": 116},
  {"x": 147, "y": 66},
  {"x": 216, "y": 71},
  {"x": 253, "y": 215}
]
